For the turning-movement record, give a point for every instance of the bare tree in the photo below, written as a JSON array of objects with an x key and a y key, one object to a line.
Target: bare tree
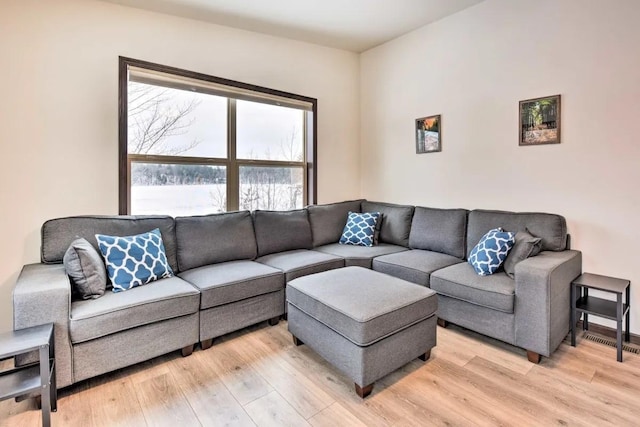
[
  {"x": 290, "y": 148},
  {"x": 154, "y": 116}
]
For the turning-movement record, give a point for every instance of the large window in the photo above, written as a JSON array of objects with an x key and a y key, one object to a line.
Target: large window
[{"x": 194, "y": 144}]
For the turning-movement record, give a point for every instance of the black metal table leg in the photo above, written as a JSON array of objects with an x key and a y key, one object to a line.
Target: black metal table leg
[
  {"x": 573, "y": 315},
  {"x": 627, "y": 333},
  {"x": 585, "y": 316},
  {"x": 619, "y": 326},
  {"x": 45, "y": 391}
]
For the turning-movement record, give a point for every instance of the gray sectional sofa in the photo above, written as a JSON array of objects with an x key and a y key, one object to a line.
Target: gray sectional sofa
[{"x": 232, "y": 269}]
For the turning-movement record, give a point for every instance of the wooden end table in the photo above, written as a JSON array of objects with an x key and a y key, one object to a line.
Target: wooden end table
[
  {"x": 38, "y": 377},
  {"x": 618, "y": 310}
]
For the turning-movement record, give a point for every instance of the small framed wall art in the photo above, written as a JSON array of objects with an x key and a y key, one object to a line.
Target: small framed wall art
[
  {"x": 539, "y": 122},
  {"x": 429, "y": 134}
]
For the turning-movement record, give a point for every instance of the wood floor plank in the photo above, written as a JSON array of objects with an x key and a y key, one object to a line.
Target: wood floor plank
[
  {"x": 17, "y": 414},
  {"x": 475, "y": 344},
  {"x": 209, "y": 398},
  {"x": 73, "y": 408},
  {"x": 273, "y": 411},
  {"x": 302, "y": 393},
  {"x": 543, "y": 402},
  {"x": 485, "y": 398},
  {"x": 113, "y": 402},
  {"x": 578, "y": 398},
  {"x": 239, "y": 377},
  {"x": 163, "y": 404},
  {"x": 335, "y": 415}
]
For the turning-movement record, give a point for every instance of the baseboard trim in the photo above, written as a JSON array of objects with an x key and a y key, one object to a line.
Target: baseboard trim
[{"x": 607, "y": 332}]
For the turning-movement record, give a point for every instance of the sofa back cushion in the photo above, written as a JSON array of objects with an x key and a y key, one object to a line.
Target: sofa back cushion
[
  {"x": 396, "y": 221},
  {"x": 328, "y": 221},
  {"x": 550, "y": 227},
  {"x": 211, "y": 239},
  {"x": 439, "y": 230},
  {"x": 57, "y": 234},
  {"x": 279, "y": 231}
]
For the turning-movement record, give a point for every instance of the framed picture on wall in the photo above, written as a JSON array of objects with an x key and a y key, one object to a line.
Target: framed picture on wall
[
  {"x": 540, "y": 121},
  {"x": 429, "y": 134}
]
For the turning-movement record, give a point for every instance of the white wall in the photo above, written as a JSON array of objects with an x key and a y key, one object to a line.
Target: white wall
[
  {"x": 473, "y": 68},
  {"x": 59, "y": 106}
]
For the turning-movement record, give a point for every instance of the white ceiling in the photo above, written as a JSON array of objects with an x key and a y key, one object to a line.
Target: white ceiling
[{"x": 355, "y": 25}]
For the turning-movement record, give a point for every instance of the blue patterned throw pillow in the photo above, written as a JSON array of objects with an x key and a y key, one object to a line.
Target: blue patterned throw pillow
[
  {"x": 134, "y": 260},
  {"x": 360, "y": 229},
  {"x": 491, "y": 251}
]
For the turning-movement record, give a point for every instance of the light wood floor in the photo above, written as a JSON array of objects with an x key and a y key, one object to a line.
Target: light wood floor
[{"x": 257, "y": 377}]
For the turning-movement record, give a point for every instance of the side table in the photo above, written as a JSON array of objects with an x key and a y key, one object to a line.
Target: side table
[
  {"x": 39, "y": 377},
  {"x": 582, "y": 302}
]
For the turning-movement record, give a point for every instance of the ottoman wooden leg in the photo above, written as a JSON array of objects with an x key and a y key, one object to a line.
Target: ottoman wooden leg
[
  {"x": 425, "y": 357},
  {"x": 442, "y": 323},
  {"x": 205, "y": 344},
  {"x": 364, "y": 391},
  {"x": 297, "y": 341}
]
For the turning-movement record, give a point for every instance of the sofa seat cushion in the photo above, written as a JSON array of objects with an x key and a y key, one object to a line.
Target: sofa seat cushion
[
  {"x": 233, "y": 281},
  {"x": 461, "y": 281},
  {"x": 359, "y": 255},
  {"x": 301, "y": 262},
  {"x": 362, "y": 305},
  {"x": 415, "y": 265},
  {"x": 115, "y": 312}
]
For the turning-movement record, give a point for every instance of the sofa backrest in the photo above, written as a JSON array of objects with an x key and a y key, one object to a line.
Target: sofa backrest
[
  {"x": 57, "y": 234},
  {"x": 396, "y": 221},
  {"x": 279, "y": 231},
  {"x": 211, "y": 239},
  {"x": 550, "y": 227},
  {"x": 328, "y": 221},
  {"x": 439, "y": 230}
]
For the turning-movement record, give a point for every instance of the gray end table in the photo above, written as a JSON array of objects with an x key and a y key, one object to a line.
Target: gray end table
[
  {"x": 618, "y": 310},
  {"x": 38, "y": 377}
]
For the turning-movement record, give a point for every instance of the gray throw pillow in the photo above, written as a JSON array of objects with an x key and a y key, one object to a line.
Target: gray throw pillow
[
  {"x": 84, "y": 265},
  {"x": 526, "y": 246}
]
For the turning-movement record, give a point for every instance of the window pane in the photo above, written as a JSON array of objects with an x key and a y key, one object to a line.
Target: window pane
[
  {"x": 173, "y": 122},
  {"x": 273, "y": 188},
  {"x": 176, "y": 190},
  {"x": 269, "y": 132}
]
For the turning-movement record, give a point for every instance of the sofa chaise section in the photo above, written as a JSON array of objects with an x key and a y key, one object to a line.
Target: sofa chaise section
[
  {"x": 216, "y": 255},
  {"x": 532, "y": 311}
]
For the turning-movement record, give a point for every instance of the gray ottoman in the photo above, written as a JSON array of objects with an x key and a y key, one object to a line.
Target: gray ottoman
[{"x": 365, "y": 323}]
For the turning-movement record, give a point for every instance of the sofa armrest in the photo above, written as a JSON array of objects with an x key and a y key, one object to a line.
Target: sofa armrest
[
  {"x": 542, "y": 309},
  {"x": 43, "y": 295}
]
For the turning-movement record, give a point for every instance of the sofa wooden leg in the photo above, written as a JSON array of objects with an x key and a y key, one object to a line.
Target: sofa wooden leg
[
  {"x": 424, "y": 357},
  {"x": 533, "y": 357},
  {"x": 186, "y": 351},
  {"x": 442, "y": 323},
  {"x": 364, "y": 391},
  {"x": 274, "y": 321},
  {"x": 297, "y": 341},
  {"x": 284, "y": 316},
  {"x": 205, "y": 344}
]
